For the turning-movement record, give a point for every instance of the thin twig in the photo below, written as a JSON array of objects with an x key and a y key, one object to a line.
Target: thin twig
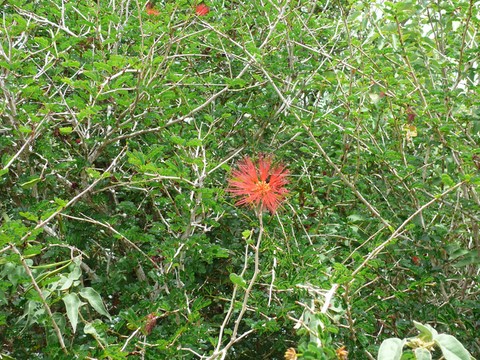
[
  {"x": 42, "y": 298},
  {"x": 397, "y": 231}
]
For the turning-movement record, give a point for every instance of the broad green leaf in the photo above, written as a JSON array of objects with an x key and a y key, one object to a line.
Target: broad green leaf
[
  {"x": 72, "y": 278},
  {"x": 427, "y": 333},
  {"x": 452, "y": 349},
  {"x": 469, "y": 259},
  {"x": 90, "y": 329},
  {"x": 422, "y": 354},
  {"x": 72, "y": 304},
  {"x": 355, "y": 218},
  {"x": 95, "y": 300},
  {"x": 391, "y": 349},
  {"x": 238, "y": 280},
  {"x": 194, "y": 142}
]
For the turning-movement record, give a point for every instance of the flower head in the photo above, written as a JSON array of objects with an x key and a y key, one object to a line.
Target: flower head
[
  {"x": 202, "y": 9},
  {"x": 259, "y": 184},
  {"x": 150, "y": 10},
  {"x": 150, "y": 322}
]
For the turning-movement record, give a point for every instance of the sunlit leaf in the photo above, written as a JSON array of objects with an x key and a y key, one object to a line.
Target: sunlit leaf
[{"x": 72, "y": 304}]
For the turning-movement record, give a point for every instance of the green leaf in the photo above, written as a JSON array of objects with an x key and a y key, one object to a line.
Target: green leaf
[
  {"x": 355, "y": 218},
  {"x": 194, "y": 142},
  {"x": 30, "y": 183},
  {"x": 6, "y": 357},
  {"x": 28, "y": 216},
  {"x": 451, "y": 348},
  {"x": 60, "y": 202},
  {"x": 93, "y": 173},
  {"x": 447, "y": 180},
  {"x": 427, "y": 333},
  {"x": 238, "y": 280},
  {"x": 66, "y": 130},
  {"x": 391, "y": 349},
  {"x": 72, "y": 304},
  {"x": 67, "y": 282},
  {"x": 246, "y": 234},
  {"x": 95, "y": 300},
  {"x": 422, "y": 354},
  {"x": 470, "y": 259},
  {"x": 91, "y": 328}
]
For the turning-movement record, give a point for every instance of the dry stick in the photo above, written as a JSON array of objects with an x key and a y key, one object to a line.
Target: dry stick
[
  {"x": 98, "y": 150},
  {"x": 344, "y": 178},
  {"x": 42, "y": 224},
  {"x": 43, "y": 20},
  {"x": 462, "y": 48},
  {"x": 288, "y": 104},
  {"x": 234, "y": 338},
  {"x": 24, "y": 146},
  {"x": 44, "y": 302},
  {"x": 379, "y": 248},
  {"x": 75, "y": 199},
  {"x": 232, "y": 304},
  {"x": 252, "y": 280},
  {"x": 112, "y": 229},
  {"x": 270, "y": 290}
]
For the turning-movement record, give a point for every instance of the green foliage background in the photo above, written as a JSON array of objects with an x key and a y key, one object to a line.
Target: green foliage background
[{"x": 118, "y": 132}]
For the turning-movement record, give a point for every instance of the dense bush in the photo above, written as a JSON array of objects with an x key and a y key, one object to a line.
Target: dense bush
[{"x": 121, "y": 122}]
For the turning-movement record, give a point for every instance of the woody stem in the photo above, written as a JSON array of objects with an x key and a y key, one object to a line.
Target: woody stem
[{"x": 256, "y": 271}]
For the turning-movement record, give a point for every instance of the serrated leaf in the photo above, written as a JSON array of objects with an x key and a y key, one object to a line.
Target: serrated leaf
[
  {"x": 238, "y": 280},
  {"x": 95, "y": 300},
  {"x": 391, "y": 349},
  {"x": 72, "y": 304},
  {"x": 452, "y": 349}
]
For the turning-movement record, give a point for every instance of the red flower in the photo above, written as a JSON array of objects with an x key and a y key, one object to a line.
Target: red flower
[
  {"x": 202, "y": 10},
  {"x": 150, "y": 10},
  {"x": 259, "y": 185}
]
